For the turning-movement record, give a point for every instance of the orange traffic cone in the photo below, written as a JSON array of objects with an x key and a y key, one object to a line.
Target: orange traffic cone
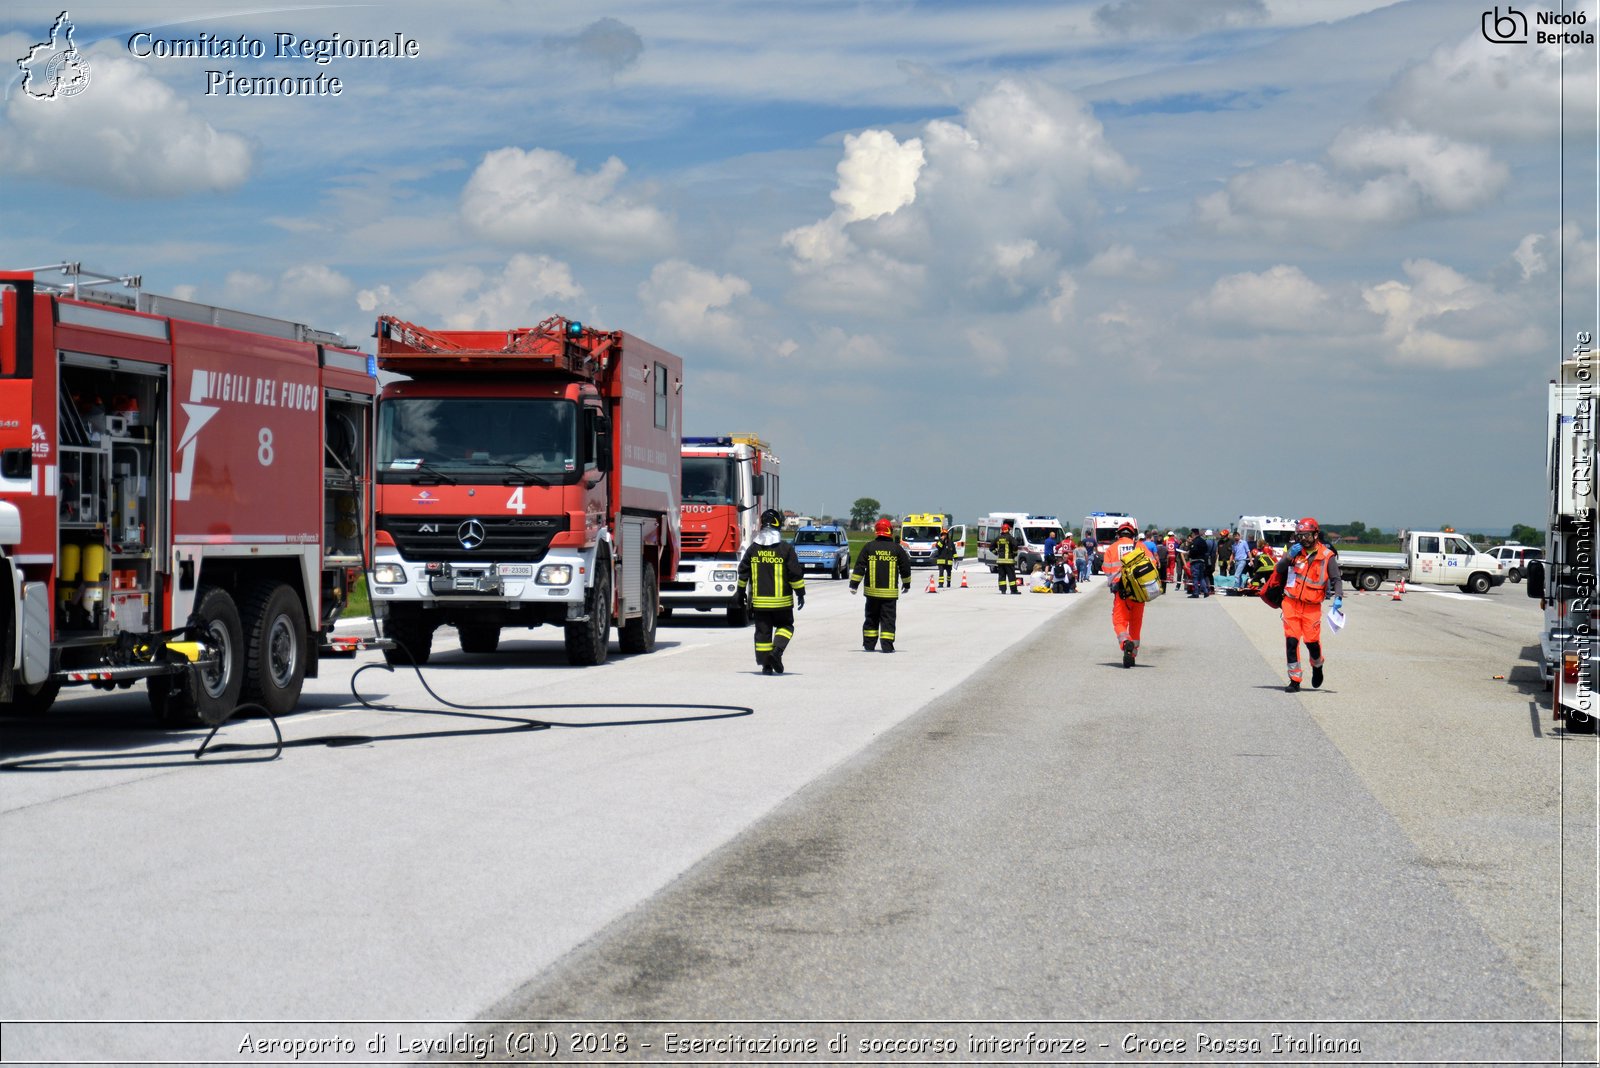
[
  {"x": 1399, "y": 588},
  {"x": 963, "y": 578},
  {"x": 931, "y": 587}
]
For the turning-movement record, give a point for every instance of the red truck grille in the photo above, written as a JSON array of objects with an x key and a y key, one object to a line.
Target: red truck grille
[
  {"x": 498, "y": 538},
  {"x": 695, "y": 539}
]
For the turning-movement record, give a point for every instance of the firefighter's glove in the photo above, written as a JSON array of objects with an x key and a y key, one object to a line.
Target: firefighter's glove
[
  {"x": 1338, "y": 604},
  {"x": 852, "y": 587},
  {"x": 905, "y": 587},
  {"x": 1295, "y": 550},
  {"x": 800, "y": 598}
]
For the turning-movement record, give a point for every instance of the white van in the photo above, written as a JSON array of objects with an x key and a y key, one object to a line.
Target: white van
[
  {"x": 1276, "y": 531},
  {"x": 1030, "y": 531}
]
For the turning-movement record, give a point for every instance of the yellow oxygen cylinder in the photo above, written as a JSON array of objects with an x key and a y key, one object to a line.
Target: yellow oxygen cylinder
[
  {"x": 94, "y": 563},
  {"x": 71, "y": 557}
]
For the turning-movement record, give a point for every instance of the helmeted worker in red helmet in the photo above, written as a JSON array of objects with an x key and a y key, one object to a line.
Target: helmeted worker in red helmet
[
  {"x": 1005, "y": 559},
  {"x": 885, "y": 567},
  {"x": 1309, "y": 571},
  {"x": 1127, "y": 616}
]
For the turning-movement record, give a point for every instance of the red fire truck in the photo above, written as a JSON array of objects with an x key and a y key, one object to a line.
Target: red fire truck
[
  {"x": 727, "y": 483},
  {"x": 193, "y": 492},
  {"x": 526, "y": 476}
]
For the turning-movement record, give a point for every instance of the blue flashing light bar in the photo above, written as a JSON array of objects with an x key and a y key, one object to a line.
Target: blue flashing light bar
[{"x": 725, "y": 443}]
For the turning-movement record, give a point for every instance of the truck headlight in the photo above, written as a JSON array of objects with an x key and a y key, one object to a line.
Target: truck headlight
[
  {"x": 388, "y": 574},
  {"x": 555, "y": 575},
  {"x": 725, "y": 576}
]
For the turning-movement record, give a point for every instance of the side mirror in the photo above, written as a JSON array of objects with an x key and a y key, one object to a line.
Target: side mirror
[{"x": 1534, "y": 573}]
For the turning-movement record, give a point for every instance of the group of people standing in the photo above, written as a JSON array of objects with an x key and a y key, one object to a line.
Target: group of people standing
[{"x": 1307, "y": 573}]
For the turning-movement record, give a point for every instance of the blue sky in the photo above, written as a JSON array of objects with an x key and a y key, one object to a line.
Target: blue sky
[{"x": 1192, "y": 259}]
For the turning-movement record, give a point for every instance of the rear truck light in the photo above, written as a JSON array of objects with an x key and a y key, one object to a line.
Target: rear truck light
[
  {"x": 554, "y": 575},
  {"x": 389, "y": 574},
  {"x": 385, "y": 538},
  {"x": 1569, "y": 668}
]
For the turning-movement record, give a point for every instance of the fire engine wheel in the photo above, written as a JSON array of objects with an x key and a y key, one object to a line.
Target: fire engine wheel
[
  {"x": 639, "y": 635},
  {"x": 206, "y": 697},
  {"x": 275, "y": 648},
  {"x": 414, "y": 634},
  {"x": 34, "y": 702},
  {"x": 479, "y": 638},
  {"x": 1371, "y": 580},
  {"x": 589, "y": 641}
]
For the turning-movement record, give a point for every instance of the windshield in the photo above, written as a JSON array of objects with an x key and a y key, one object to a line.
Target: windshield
[
  {"x": 708, "y": 480},
  {"x": 1106, "y": 534},
  {"x": 915, "y": 533},
  {"x": 1037, "y": 535},
  {"x": 1278, "y": 539},
  {"x": 461, "y": 437},
  {"x": 815, "y": 537}
]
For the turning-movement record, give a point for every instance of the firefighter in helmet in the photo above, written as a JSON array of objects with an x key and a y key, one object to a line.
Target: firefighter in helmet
[
  {"x": 775, "y": 580},
  {"x": 885, "y": 567},
  {"x": 944, "y": 556},
  {"x": 1005, "y": 559},
  {"x": 1127, "y": 615},
  {"x": 1310, "y": 572}
]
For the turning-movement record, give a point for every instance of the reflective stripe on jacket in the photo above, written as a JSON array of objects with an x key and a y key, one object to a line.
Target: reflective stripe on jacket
[
  {"x": 882, "y": 567},
  {"x": 771, "y": 572},
  {"x": 1307, "y": 577}
]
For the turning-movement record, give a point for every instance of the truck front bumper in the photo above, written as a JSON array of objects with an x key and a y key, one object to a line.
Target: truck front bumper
[
  {"x": 554, "y": 586},
  {"x": 702, "y": 584}
]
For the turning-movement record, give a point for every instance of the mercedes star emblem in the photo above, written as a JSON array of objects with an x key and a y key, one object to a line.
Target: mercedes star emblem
[{"x": 471, "y": 534}]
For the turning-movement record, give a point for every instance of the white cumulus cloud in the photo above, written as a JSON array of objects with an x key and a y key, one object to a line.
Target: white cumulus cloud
[
  {"x": 1411, "y": 174},
  {"x": 982, "y": 209},
  {"x": 1413, "y": 312},
  {"x": 536, "y": 196},
  {"x": 692, "y": 301},
  {"x": 527, "y": 290},
  {"x": 128, "y": 134},
  {"x": 1475, "y": 89},
  {"x": 878, "y": 174},
  {"x": 1280, "y": 299}
]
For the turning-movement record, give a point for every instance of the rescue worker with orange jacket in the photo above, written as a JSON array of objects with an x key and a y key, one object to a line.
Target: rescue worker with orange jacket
[
  {"x": 775, "y": 580},
  {"x": 1309, "y": 571},
  {"x": 1127, "y": 615},
  {"x": 885, "y": 567}
]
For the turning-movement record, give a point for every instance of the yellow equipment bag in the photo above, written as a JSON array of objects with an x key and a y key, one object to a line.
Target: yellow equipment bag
[{"x": 1140, "y": 579}]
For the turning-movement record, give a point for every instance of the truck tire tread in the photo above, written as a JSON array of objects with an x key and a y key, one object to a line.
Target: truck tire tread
[
  {"x": 639, "y": 635},
  {"x": 589, "y": 641},
  {"x": 269, "y": 605}
]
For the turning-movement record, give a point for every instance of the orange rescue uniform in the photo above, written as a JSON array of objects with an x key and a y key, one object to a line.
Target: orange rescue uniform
[{"x": 1127, "y": 617}]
